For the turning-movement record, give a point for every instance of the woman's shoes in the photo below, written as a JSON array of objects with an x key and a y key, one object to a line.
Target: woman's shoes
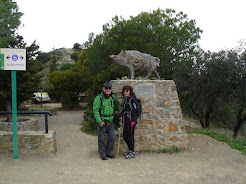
[
  {"x": 127, "y": 153},
  {"x": 131, "y": 154}
]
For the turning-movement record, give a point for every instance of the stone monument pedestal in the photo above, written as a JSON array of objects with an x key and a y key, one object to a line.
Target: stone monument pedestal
[{"x": 161, "y": 125}]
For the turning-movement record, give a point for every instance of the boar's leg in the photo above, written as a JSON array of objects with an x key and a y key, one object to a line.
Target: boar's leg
[
  {"x": 148, "y": 75},
  {"x": 132, "y": 72},
  {"x": 157, "y": 74}
]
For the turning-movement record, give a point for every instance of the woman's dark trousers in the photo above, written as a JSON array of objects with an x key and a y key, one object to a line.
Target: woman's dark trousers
[{"x": 128, "y": 134}]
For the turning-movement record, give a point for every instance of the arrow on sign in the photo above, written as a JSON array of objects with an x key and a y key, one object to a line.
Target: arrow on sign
[
  {"x": 22, "y": 57},
  {"x": 8, "y": 57}
]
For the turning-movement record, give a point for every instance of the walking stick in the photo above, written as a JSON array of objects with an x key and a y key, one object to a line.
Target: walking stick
[{"x": 119, "y": 129}]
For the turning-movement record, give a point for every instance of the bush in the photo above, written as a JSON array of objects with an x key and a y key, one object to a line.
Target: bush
[{"x": 86, "y": 128}]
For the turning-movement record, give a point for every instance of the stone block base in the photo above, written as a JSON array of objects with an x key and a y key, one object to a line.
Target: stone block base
[
  {"x": 30, "y": 142},
  {"x": 161, "y": 125},
  {"x": 169, "y": 143}
]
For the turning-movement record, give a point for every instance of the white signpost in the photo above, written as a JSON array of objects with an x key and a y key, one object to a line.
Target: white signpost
[{"x": 13, "y": 59}]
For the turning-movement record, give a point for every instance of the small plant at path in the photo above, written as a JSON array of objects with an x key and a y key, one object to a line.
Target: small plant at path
[{"x": 172, "y": 150}]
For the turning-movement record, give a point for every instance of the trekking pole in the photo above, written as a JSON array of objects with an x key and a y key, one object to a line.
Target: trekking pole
[{"x": 119, "y": 129}]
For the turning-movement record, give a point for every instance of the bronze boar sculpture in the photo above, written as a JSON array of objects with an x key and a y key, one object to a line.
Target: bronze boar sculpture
[{"x": 134, "y": 60}]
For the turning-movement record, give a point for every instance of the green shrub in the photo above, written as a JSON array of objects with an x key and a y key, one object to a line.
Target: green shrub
[{"x": 87, "y": 129}]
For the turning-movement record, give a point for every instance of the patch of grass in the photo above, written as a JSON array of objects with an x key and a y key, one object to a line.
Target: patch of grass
[
  {"x": 44, "y": 107},
  {"x": 233, "y": 143},
  {"x": 227, "y": 132},
  {"x": 191, "y": 120},
  {"x": 77, "y": 108},
  {"x": 85, "y": 128},
  {"x": 170, "y": 151},
  {"x": 59, "y": 109}
]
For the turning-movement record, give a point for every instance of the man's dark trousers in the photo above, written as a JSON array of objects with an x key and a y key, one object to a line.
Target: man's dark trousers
[{"x": 108, "y": 128}]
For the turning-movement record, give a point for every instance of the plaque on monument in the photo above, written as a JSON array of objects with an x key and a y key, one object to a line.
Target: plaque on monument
[{"x": 145, "y": 90}]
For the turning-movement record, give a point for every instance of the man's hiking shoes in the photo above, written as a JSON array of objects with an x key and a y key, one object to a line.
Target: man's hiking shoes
[
  {"x": 128, "y": 155},
  {"x": 103, "y": 157},
  {"x": 131, "y": 154},
  {"x": 110, "y": 155}
]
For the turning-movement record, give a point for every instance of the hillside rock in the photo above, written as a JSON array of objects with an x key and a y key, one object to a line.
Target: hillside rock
[{"x": 64, "y": 56}]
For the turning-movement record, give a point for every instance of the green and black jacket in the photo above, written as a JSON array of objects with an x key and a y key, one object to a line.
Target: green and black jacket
[{"x": 106, "y": 108}]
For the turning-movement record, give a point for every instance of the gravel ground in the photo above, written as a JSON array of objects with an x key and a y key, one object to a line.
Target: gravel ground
[{"x": 206, "y": 161}]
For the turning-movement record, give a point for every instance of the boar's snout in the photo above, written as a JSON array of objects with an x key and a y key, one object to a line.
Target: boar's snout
[{"x": 112, "y": 56}]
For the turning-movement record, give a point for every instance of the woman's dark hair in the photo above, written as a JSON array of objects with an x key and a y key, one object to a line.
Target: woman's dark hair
[{"x": 127, "y": 88}]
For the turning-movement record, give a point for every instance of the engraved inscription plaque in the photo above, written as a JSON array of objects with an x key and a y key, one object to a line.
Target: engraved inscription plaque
[{"x": 145, "y": 90}]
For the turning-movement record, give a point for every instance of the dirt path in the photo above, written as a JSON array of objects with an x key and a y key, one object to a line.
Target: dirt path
[{"x": 206, "y": 161}]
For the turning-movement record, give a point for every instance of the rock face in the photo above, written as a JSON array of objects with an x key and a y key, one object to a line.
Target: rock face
[
  {"x": 64, "y": 56},
  {"x": 161, "y": 125},
  {"x": 136, "y": 61}
]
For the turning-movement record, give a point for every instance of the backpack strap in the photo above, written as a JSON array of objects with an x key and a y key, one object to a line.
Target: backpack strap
[
  {"x": 102, "y": 103},
  {"x": 102, "y": 106},
  {"x": 130, "y": 105},
  {"x": 114, "y": 96}
]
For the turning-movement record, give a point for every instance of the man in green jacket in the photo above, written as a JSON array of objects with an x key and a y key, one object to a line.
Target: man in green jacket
[{"x": 104, "y": 108}]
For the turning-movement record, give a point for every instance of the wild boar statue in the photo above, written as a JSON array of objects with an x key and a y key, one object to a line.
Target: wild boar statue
[{"x": 134, "y": 60}]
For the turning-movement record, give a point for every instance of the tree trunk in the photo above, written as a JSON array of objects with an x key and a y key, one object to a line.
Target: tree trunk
[
  {"x": 69, "y": 102},
  {"x": 240, "y": 121},
  {"x": 237, "y": 128},
  {"x": 207, "y": 120},
  {"x": 201, "y": 122}
]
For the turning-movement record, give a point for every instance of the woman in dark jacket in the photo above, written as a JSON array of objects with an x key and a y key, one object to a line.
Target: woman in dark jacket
[{"x": 129, "y": 115}]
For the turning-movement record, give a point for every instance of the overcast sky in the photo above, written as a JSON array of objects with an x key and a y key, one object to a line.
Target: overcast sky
[{"x": 56, "y": 23}]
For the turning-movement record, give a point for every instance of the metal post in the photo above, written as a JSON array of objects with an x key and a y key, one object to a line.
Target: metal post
[
  {"x": 41, "y": 99},
  {"x": 14, "y": 113},
  {"x": 46, "y": 123},
  {"x": 1, "y": 61}
]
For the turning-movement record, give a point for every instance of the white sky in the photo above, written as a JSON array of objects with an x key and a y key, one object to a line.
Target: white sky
[{"x": 57, "y": 23}]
